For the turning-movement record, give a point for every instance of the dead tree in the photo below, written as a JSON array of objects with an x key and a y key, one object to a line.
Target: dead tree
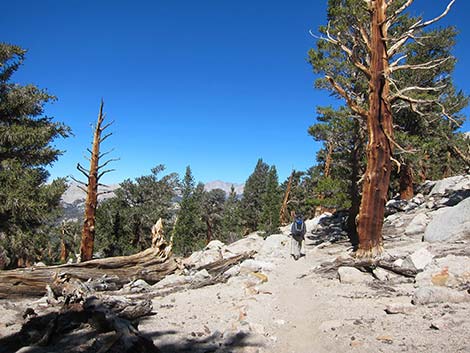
[
  {"x": 284, "y": 214},
  {"x": 93, "y": 176},
  {"x": 377, "y": 53}
]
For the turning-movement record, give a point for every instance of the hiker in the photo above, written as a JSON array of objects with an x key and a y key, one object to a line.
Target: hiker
[{"x": 298, "y": 230}]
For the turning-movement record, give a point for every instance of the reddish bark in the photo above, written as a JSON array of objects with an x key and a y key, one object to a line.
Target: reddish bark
[
  {"x": 284, "y": 215},
  {"x": 88, "y": 232},
  {"x": 406, "y": 183},
  {"x": 379, "y": 148}
]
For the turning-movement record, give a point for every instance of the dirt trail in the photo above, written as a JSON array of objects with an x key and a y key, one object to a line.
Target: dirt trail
[{"x": 297, "y": 311}]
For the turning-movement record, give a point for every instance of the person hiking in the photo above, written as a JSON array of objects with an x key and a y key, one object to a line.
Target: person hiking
[{"x": 298, "y": 230}]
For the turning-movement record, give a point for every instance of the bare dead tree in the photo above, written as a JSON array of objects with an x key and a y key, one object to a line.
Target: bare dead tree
[
  {"x": 375, "y": 52},
  {"x": 284, "y": 214},
  {"x": 93, "y": 176}
]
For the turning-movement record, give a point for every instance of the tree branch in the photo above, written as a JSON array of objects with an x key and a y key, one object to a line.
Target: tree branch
[
  {"x": 413, "y": 28},
  {"x": 105, "y": 137},
  {"x": 104, "y": 172},
  {"x": 107, "y": 162},
  {"x": 349, "y": 52},
  {"x": 83, "y": 170},
  {"x": 424, "y": 66},
  {"x": 351, "y": 103},
  {"x": 79, "y": 182}
]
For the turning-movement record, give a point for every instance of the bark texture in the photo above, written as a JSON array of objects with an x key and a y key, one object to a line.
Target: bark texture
[
  {"x": 284, "y": 214},
  {"x": 380, "y": 133},
  {"x": 406, "y": 183},
  {"x": 88, "y": 232}
]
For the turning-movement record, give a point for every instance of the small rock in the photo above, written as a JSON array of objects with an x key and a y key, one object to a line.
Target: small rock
[
  {"x": 385, "y": 339},
  {"x": 251, "y": 265},
  {"x": 398, "y": 308},
  {"x": 280, "y": 322},
  {"x": 352, "y": 275},
  {"x": 381, "y": 274},
  {"x": 398, "y": 262},
  {"x": 202, "y": 275},
  {"x": 233, "y": 271},
  {"x": 419, "y": 259},
  {"x": 444, "y": 323}
]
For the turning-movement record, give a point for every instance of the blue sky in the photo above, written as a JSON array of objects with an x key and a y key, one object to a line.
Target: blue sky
[{"x": 211, "y": 84}]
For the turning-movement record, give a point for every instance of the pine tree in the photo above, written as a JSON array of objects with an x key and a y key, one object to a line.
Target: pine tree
[
  {"x": 189, "y": 232},
  {"x": 251, "y": 203},
  {"x": 369, "y": 40},
  {"x": 27, "y": 203},
  {"x": 231, "y": 221},
  {"x": 124, "y": 222},
  {"x": 212, "y": 213},
  {"x": 271, "y": 204}
]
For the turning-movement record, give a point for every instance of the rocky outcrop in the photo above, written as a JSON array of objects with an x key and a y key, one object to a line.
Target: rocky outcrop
[{"x": 449, "y": 223}]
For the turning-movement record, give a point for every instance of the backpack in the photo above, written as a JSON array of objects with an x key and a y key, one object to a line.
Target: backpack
[{"x": 298, "y": 227}]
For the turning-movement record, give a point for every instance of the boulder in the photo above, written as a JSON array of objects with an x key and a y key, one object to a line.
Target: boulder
[
  {"x": 251, "y": 242},
  {"x": 450, "y": 271},
  {"x": 429, "y": 295},
  {"x": 352, "y": 275},
  {"x": 459, "y": 182},
  {"x": 382, "y": 275},
  {"x": 215, "y": 244},
  {"x": 201, "y": 258},
  {"x": 449, "y": 223},
  {"x": 418, "y": 260},
  {"x": 251, "y": 265},
  {"x": 274, "y": 246},
  {"x": 171, "y": 281},
  {"x": 417, "y": 224}
]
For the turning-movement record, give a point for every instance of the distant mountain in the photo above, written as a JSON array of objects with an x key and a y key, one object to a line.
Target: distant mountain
[
  {"x": 73, "y": 199},
  {"x": 218, "y": 184}
]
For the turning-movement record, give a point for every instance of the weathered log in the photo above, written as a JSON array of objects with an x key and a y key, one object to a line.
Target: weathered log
[
  {"x": 151, "y": 265},
  {"x": 215, "y": 269},
  {"x": 367, "y": 265}
]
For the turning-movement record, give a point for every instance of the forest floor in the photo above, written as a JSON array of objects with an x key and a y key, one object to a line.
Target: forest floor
[{"x": 296, "y": 310}]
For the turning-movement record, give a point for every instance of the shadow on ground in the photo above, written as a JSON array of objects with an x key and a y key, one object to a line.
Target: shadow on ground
[{"x": 76, "y": 331}]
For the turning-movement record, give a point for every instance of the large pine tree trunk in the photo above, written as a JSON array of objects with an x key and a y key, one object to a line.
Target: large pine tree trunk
[
  {"x": 88, "y": 232},
  {"x": 406, "y": 183},
  {"x": 379, "y": 128}
]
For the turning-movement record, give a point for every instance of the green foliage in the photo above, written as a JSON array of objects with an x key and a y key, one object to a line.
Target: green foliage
[
  {"x": 124, "y": 223},
  {"x": 251, "y": 203},
  {"x": 271, "y": 204},
  {"x": 28, "y": 206},
  {"x": 213, "y": 203},
  {"x": 189, "y": 233},
  {"x": 231, "y": 219},
  {"x": 421, "y": 127}
]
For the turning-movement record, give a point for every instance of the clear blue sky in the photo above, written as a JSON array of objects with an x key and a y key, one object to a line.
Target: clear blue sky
[{"x": 211, "y": 83}]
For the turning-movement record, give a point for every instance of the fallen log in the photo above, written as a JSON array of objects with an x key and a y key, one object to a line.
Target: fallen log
[
  {"x": 367, "y": 265},
  {"x": 151, "y": 265},
  {"x": 215, "y": 271}
]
